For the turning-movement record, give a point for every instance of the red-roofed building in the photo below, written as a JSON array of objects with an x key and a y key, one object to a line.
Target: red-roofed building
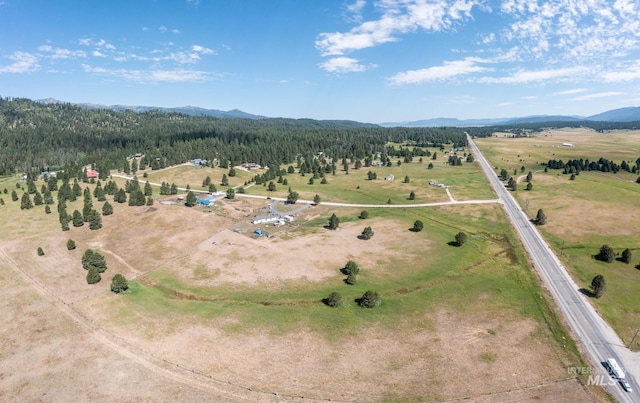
[{"x": 92, "y": 174}]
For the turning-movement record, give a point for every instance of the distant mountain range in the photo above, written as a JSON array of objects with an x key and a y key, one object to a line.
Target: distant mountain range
[
  {"x": 188, "y": 110},
  {"x": 630, "y": 114}
]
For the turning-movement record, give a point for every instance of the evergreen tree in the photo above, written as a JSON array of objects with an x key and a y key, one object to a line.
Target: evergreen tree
[
  {"x": 212, "y": 188},
  {"x": 231, "y": 194},
  {"x": 626, "y": 256},
  {"x": 95, "y": 220},
  {"x": 364, "y": 214},
  {"x": 412, "y": 196},
  {"x": 25, "y": 203},
  {"x": 120, "y": 196},
  {"x": 77, "y": 219},
  {"x": 350, "y": 268},
  {"x": 48, "y": 197},
  {"x": 191, "y": 199},
  {"x": 37, "y": 199},
  {"x": 461, "y": 238},
  {"x": 334, "y": 222},
  {"x": 541, "y": 218},
  {"x": 40, "y": 251},
  {"x": 149, "y": 201},
  {"x": 529, "y": 186},
  {"x": 174, "y": 189},
  {"x": 598, "y": 286},
  {"x": 47, "y": 209},
  {"x": 334, "y": 300},
  {"x": 225, "y": 180},
  {"x": 107, "y": 209},
  {"x": 406, "y": 179},
  {"x": 367, "y": 233},
  {"x": 93, "y": 259},
  {"x": 119, "y": 283},
  {"x": 418, "y": 226},
  {"x": 271, "y": 187},
  {"x": 14, "y": 195},
  {"x": 316, "y": 200},
  {"x": 292, "y": 197},
  {"x": 71, "y": 244},
  {"x": 606, "y": 254},
  {"x": 369, "y": 299},
  {"x": 93, "y": 276}
]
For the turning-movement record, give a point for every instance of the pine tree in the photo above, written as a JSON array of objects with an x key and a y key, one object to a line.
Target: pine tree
[
  {"x": 14, "y": 195},
  {"x": 626, "y": 256},
  {"x": 191, "y": 199},
  {"x": 334, "y": 222},
  {"x": 37, "y": 199},
  {"x": 95, "y": 220},
  {"x": 541, "y": 218},
  {"x": 598, "y": 286},
  {"x": 107, "y": 209},
  {"x": 25, "y": 203},
  {"x": 148, "y": 191},
  {"x": 77, "y": 219}
]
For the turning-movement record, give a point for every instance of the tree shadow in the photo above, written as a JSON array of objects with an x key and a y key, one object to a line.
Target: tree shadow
[
  {"x": 587, "y": 292},
  {"x": 638, "y": 266},
  {"x": 454, "y": 243},
  {"x": 414, "y": 230}
]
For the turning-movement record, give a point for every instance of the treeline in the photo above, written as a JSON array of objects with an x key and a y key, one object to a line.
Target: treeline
[
  {"x": 602, "y": 165},
  {"x": 37, "y": 137},
  {"x": 523, "y": 129}
]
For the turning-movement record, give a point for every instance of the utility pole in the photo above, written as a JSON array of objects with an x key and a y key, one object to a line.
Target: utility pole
[{"x": 634, "y": 338}]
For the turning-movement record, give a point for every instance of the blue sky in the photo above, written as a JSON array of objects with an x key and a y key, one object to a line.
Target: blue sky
[{"x": 367, "y": 60}]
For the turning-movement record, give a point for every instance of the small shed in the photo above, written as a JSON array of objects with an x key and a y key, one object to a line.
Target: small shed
[{"x": 390, "y": 177}]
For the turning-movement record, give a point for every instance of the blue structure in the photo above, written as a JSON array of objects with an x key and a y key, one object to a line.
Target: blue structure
[{"x": 206, "y": 201}]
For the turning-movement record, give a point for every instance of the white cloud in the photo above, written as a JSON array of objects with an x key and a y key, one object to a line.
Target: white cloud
[
  {"x": 176, "y": 31},
  {"x": 23, "y": 63},
  {"x": 59, "y": 53},
  {"x": 524, "y": 76},
  {"x": 151, "y": 76},
  {"x": 437, "y": 73},
  {"x": 398, "y": 17},
  {"x": 569, "y": 92},
  {"x": 628, "y": 74},
  {"x": 97, "y": 53},
  {"x": 343, "y": 65},
  {"x": 597, "y": 95},
  {"x": 202, "y": 50}
]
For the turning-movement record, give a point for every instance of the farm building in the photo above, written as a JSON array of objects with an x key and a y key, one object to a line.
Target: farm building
[
  {"x": 207, "y": 201},
  {"x": 92, "y": 174},
  {"x": 264, "y": 220}
]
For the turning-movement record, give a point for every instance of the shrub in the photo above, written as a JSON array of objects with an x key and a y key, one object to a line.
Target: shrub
[
  {"x": 351, "y": 279},
  {"x": 334, "y": 300},
  {"x": 71, "y": 244},
  {"x": 368, "y": 300},
  {"x": 40, "y": 251},
  {"x": 461, "y": 238}
]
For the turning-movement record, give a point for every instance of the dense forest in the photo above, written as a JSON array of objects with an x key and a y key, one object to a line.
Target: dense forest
[{"x": 37, "y": 137}]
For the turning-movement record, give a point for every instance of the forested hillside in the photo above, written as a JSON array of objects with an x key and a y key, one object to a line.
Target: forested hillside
[{"x": 35, "y": 137}]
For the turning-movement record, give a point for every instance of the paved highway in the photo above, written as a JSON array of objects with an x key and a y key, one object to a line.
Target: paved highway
[{"x": 596, "y": 339}]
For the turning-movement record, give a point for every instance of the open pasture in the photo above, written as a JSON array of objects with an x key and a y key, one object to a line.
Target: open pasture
[
  {"x": 596, "y": 208},
  {"x": 228, "y": 308}
]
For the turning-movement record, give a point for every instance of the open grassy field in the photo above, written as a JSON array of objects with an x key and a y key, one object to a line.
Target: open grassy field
[
  {"x": 209, "y": 304},
  {"x": 594, "y": 209}
]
